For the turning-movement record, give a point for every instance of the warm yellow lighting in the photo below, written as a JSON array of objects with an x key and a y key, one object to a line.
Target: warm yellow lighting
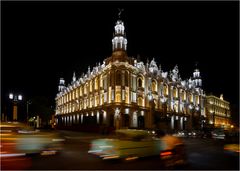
[
  {"x": 90, "y": 86},
  {"x": 165, "y": 90},
  {"x": 140, "y": 101},
  {"x": 118, "y": 97},
  {"x": 154, "y": 86},
  {"x": 191, "y": 98},
  {"x": 175, "y": 92}
]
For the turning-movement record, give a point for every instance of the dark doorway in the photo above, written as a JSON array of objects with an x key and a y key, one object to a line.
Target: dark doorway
[
  {"x": 100, "y": 118},
  {"x": 111, "y": 117},
  {"x": 125, "y": 120},
  {"x": 140, "y": 121}
]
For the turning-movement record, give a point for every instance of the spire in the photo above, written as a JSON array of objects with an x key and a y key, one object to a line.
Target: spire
[
  {"x": 196, "y": 64},
  {"x": 119, "y": 13},
  {"x": 74, "y": 77}
]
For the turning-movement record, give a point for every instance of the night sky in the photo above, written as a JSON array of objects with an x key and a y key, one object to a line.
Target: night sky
[{"x": 43, "y": 41}]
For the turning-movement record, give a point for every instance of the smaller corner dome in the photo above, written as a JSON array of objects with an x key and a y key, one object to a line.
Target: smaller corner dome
[
  {"x": 196, "y": 70},
  {"x": 119, "y": 22}
]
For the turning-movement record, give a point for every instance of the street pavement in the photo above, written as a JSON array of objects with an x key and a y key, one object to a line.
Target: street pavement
[{"x": 202, "y": 154}]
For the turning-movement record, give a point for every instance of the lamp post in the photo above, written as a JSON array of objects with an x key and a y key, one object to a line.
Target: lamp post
[
  {"x": 15, "y": 98},
  {"x": 150, "y": 120},
  {"x": 28, "y": 103}
]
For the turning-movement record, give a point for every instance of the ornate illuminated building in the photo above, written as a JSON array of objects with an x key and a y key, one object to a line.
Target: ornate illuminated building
[
  {"x": 218, "y": 111},
  {"x": 124, "y": 92}
]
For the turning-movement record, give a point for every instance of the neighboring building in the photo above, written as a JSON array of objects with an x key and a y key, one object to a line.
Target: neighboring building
[
  {"x": 218, "y": 111},
  {"x": 125, "y": 92}
]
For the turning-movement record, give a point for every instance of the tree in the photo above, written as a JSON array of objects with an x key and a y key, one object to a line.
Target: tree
[{"x": 42, "y": 107}]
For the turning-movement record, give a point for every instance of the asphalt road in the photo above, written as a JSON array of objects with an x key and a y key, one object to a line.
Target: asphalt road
[{"x": 202, "y": 154}]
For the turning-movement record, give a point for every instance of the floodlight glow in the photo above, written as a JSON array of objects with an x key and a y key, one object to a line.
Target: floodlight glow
[
  {"x": 10, "y": 96},
  {"x": 19, "y": 97}
]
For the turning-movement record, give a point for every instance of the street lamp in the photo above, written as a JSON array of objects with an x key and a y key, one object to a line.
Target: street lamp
[
  {"x": 15, "y": 98},
  {"x": 28, "y": 103}
]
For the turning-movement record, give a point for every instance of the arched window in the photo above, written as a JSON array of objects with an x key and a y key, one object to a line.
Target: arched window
[
  {"x": 154, "y": 86},
  {"x": 197, "y": 99},
  {"x": 191, "y": 98},
  {"x": 76, "y": 93},
  {"x": 91, "y": 86},
  {"x": 73, "y": 94},
  {"x": 70, "y": 96},
  {"x": 118, "y": 77},
  {"x": 80, "y": 91},
  {"x": 175, "y": 92},
  {"x": 140, "y": 82},
  {"x": 165, "y": 90},
  {"x": 96, "y": 83},
  {"x": 118, "y": 97},
  {"x": 183, "y": 95}
]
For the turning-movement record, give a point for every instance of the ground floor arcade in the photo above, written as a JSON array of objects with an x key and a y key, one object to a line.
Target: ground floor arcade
[{"x": 125, "y": 117}]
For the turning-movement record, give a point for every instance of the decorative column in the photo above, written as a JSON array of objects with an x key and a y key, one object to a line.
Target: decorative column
[
  {"x": 117, "y": 118},
  {"x": 97, "y": 117},
  {"x": 181, "y": 123},
  {"x": 134, "y": 119},
  {"x": 172, "y": 122}
]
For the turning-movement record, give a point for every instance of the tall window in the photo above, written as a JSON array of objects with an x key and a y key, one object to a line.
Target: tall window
[
  {"x": 140, "y": 82},
  {"x": 126, "y": 78},
  {"x": 96, "y": 83},
  {"x": 197, "y": 99},
  {"x": 123, "y": 78},
  {"x": 105, "y": 83},
  {"x": 183, "y": 95},
  {"x": 191, "y": 98},
  {"x": 80, "y": 91},
  {"x": 127, "y": 96},
  {"x": 154, "y": 86},
  {"x": 85, "y": 88},
  {"x": 73, "y": 94},
  {"x": 118, "y": 94},
  {"x": 140, "y": 101},
  {"x": 118, "y": 97},
  {"x": 118, "y": 77},
  {"x": 101, "y": 81},
  {"x": 91, "y": 86},
  {"x": 76, "y": 93},
  {"x": 165, "y": 90},
  {"x": 175, "y": 92}
]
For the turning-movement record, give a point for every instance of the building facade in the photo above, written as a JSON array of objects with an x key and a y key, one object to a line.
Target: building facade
[
  {"x": 124, "y": 92},
  {"x": 218, "y": 111}
]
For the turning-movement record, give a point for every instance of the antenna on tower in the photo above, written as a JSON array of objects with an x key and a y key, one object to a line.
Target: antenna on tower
[
  {"x": 196, "y": 64},
  {"x": 120, "y": 11}
]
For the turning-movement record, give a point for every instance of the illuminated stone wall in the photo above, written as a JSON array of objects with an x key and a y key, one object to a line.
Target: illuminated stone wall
[{"x": 125, "y": 92}]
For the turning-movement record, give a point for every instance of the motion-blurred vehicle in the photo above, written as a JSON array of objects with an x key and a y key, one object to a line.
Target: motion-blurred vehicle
[
  {"x": 11, "y": 158},
  {"x": 189, "y": 134},
  {"x": 19, "y": 139},
  {"x": 180, "y": 134},
  {"x": 218, "y": 133},
  {"x": 231, "y": 143},
  {"x": 129, "y": 144}
]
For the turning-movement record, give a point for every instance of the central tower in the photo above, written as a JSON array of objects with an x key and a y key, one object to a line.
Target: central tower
[{"x": 119, "y": 42}]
